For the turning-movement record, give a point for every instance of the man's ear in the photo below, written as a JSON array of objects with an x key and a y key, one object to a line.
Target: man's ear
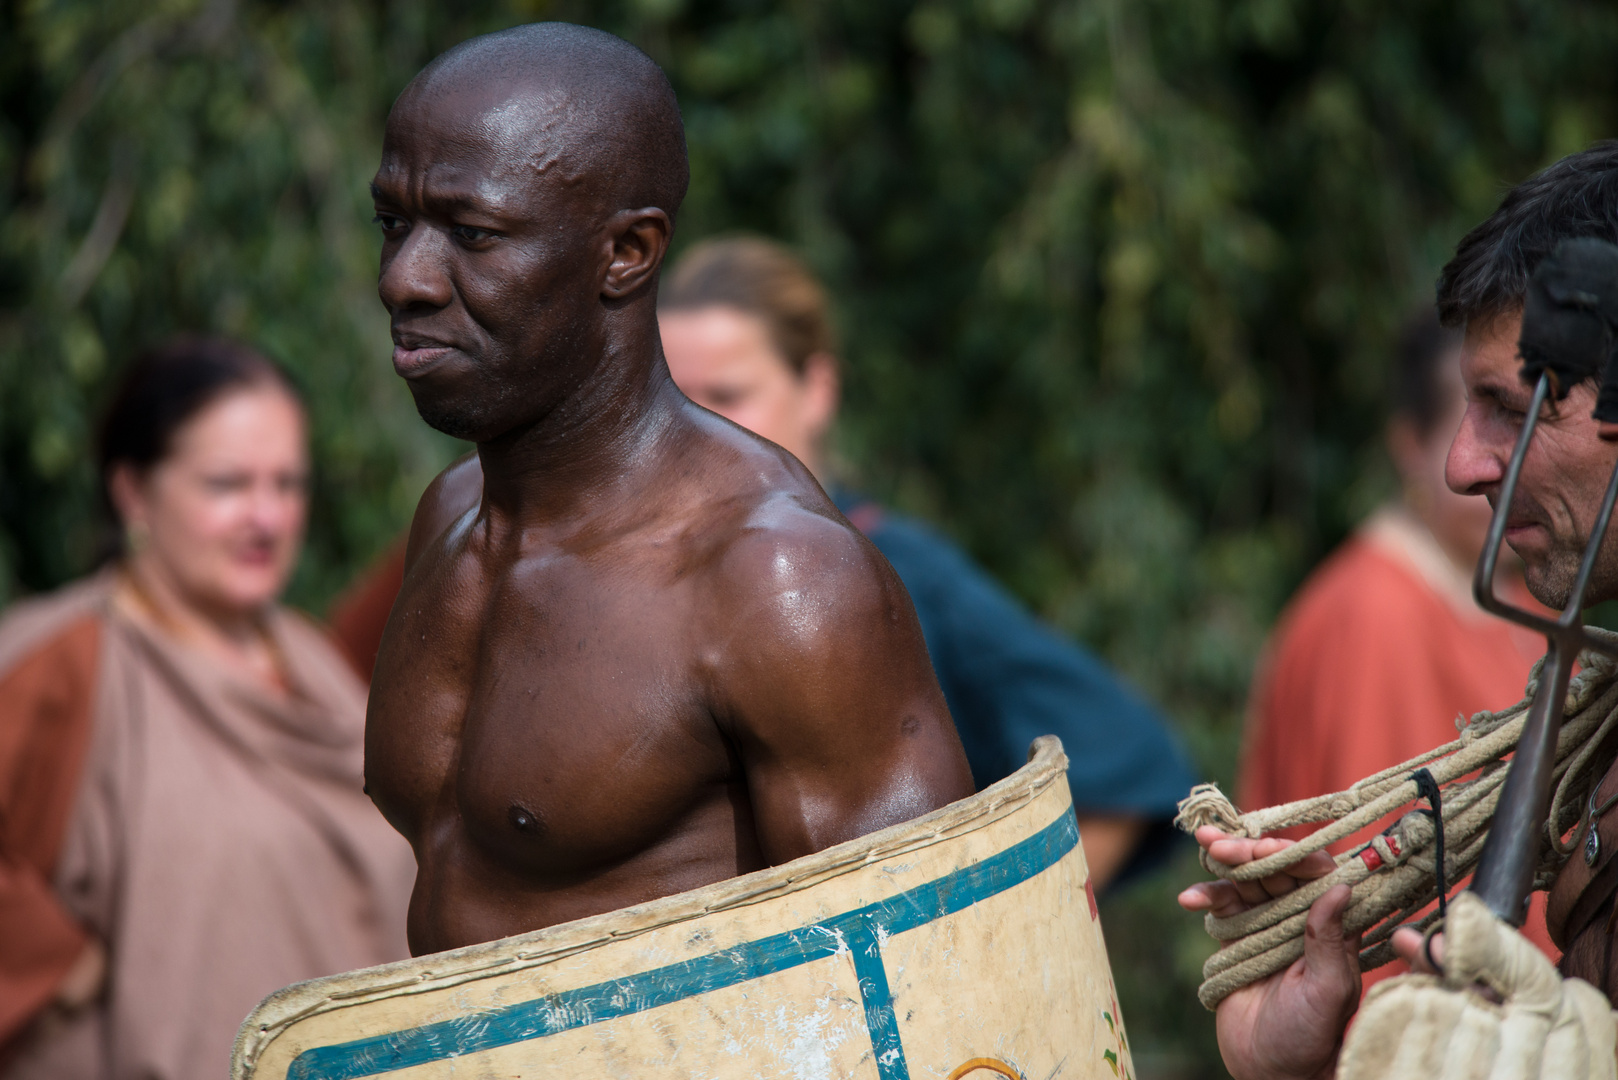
[{"x": 639, "y": 240}]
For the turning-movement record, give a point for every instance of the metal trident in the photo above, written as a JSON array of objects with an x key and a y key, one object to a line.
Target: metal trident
[{"x": 1570, "y": 324}]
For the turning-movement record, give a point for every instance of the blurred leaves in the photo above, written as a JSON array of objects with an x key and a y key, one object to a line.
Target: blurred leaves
[{"x": 1117, "y": 280}]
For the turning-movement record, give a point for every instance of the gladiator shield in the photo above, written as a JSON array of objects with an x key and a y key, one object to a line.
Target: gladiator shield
[{"x": 965, "y": 943}]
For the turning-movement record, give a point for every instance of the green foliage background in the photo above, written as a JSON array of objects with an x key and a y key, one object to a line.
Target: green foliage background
[{"x": 1117, "y": 278}]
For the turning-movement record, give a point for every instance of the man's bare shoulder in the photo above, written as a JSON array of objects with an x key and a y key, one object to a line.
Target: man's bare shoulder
[
  {"x": 815, "y": 665},
  {"x": 771, "y": 526},
  {"x": 790, "y": 540},
  {"x": 453, "y": 492}
]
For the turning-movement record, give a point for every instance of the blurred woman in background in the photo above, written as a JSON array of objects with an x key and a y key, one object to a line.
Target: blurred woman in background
[{"x": 183, "y": 827}]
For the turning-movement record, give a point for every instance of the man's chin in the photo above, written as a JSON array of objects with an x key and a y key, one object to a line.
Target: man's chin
[
  {"x": 1549, "y": 588},
  {"x": 1551, "y": 583},
  {"x": 450, "y": 417}
]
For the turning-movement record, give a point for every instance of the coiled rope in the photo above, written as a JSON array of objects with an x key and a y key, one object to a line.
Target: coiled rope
[{"x": 1393, "y": 877}]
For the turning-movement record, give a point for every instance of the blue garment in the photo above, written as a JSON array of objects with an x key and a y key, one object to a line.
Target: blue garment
[{"x": 1007, "y": 679}]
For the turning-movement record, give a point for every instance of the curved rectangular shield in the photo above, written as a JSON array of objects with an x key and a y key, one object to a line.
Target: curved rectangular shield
[{"x": 964, "y": 943}]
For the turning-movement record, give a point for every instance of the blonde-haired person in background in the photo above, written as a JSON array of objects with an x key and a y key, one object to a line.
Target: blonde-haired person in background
[{"x": 183, "y": 825}]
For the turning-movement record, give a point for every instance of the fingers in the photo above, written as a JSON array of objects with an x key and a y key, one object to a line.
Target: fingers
[
  {"x": 1407, "y": 943},
  {"x": 1324, "y": 927},
  {"x": 1313, "y": 865},
  {"x": 1219, "y": 898},
  {"x": 1316, "y": 864},
  {"x": 1236, "y": 850},
  {"x": 1198, "y": 897},
  {"x": 1230, "y": 850},
  {"x": 1265, "y": 889}
]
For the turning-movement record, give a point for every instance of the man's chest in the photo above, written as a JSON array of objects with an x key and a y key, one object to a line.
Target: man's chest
[{"x": 549, "y": 711}]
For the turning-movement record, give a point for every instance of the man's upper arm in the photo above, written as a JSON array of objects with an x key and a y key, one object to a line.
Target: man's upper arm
[{"x": 822, "y": 679}]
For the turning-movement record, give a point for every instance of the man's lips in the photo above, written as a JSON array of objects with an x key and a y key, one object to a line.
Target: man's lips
[
  {"x": 1520, "y": 528},
  {"x": 413, "y": 356}
]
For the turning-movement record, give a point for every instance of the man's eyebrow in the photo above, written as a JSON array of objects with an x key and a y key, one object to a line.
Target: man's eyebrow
[
  {"x": 1508, "y": 395},
  {"x": 458, "y": 202},
  {"x": 450, "y": 202}
]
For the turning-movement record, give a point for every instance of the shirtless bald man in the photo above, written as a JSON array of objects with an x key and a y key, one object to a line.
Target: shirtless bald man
[{"x": 646, "y": 653}]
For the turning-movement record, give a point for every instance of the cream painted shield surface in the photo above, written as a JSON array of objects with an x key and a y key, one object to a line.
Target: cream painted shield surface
[{"x": 964, "y": 944}]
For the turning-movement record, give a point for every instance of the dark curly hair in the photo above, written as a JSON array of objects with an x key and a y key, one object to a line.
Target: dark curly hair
[{"x": 1488, "y": 277}]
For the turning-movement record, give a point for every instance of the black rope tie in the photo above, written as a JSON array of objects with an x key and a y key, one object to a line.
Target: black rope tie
[{"x": 1427, "y": 788}]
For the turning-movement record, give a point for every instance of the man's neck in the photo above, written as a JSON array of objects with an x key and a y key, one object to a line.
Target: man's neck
[{"x": 591, "y": 446}]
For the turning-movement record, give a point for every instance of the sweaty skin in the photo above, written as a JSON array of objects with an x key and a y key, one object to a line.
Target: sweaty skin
[{"x": 645, "y": 653}]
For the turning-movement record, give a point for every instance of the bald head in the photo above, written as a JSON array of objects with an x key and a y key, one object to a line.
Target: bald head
[
  {"x": 585, "y": 108},
  {"x": 526, "y": 194}
]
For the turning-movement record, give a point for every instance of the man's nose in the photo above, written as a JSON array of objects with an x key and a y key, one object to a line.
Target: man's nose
[
  {"x": 415, "y": 274},
  {"x": 1474, "y": 465}
]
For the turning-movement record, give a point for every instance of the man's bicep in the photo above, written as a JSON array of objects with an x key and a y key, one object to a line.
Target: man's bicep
[{"x": 841, "y": 725}]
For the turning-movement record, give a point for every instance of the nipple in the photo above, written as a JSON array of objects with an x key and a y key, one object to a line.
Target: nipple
[{"x": 524, "y": 820}]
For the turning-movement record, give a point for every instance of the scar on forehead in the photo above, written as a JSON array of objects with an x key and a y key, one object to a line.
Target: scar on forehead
[{"x": 547, "y": 138}]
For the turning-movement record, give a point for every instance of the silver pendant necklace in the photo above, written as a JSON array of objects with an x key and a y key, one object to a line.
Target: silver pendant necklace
[{"x": 1592, "y": 838}]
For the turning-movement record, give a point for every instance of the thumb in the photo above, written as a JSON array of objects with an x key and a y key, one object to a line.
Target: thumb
[
  {"x": 1323, "y": 930},
  {"x": 1330, "y": 957}
]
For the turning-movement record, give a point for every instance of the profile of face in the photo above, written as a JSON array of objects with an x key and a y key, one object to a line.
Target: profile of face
[
  {"x": 1564, "y": 475},
  {"x": 1460, "y": 523},
  {"x": 485, "y": 263},
  {"x": 221, "y": 517},
  {"x": 504, "y": 261},
  {"x": 723, "y": 359}
]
